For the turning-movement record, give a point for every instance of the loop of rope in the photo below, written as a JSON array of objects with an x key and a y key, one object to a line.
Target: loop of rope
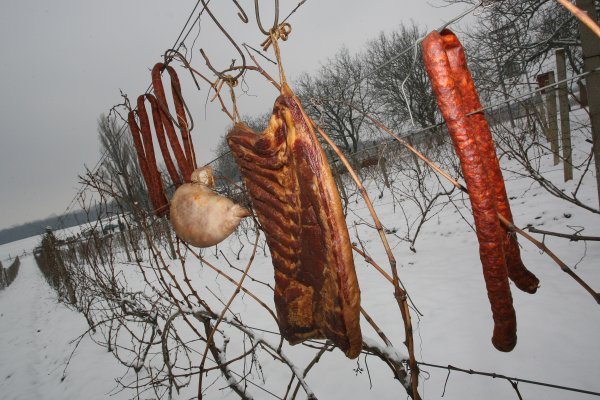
[{"x": 279, "y": 32}]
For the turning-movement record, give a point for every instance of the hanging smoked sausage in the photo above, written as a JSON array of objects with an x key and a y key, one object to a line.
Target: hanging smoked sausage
[
  {"x": 517, "y": 272},
  {"x": 481, "y": 194}
]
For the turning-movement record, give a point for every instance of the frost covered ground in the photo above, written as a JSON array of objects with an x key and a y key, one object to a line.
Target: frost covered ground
[
  {"x": 35, "y": 341},
  {"x": 557, "y": 327}
]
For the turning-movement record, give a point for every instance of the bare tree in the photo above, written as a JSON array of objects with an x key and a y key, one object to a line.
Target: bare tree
[
  {"x": 401, "y": 86},
  {"x": 225, "y": 166},
  {"x": 327, "y": 97},
  {"x": 513, "y": 38},
  {"x": 120, "y": 164}
]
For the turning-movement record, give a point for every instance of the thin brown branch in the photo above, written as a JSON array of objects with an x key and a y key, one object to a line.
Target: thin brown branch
[
  {"x": 233, "y": 296},
  {"x": 572, "y": 237},
  {"x": 581, "y": 15},
  {"x": 399, "y": 293},
  {"x": 553, "y": 256}
]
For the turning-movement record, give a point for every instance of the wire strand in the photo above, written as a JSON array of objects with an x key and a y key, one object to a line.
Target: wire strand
[{"x": 416, "y": 43}]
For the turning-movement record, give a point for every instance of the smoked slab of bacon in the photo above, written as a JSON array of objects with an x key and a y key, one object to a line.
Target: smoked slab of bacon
[
  {"x": 481, "y": 194},
  {"x": 298, "y": 205},
  {"x": 517, "y": 272}
]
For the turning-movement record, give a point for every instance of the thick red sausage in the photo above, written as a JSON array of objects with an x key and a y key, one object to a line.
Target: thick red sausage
[
  {"x": 481, "y": 195},
  {"x": 517, "y": 272}
]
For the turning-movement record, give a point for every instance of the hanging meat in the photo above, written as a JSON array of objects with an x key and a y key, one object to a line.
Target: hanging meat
[
  {"x": 517, "y": 272},
  {"x": 297, "y": 203},
  {"x": 440, "y": 58},
  {"x": 198, "y": 214}
]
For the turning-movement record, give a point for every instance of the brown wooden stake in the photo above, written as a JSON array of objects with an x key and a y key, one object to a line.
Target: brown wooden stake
[
  {"x": 590, "y": 46},
  {"x": 565, "y": 121},
  {"x": 581, "y": 15},
  {"x": 552, "y": 118},
  {"x": 383, "y": 167}
]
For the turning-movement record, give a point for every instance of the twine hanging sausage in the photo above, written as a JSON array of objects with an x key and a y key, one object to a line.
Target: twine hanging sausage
[
  {"x": 517, "y": 272},
  {"x": 481, "y": 194}
]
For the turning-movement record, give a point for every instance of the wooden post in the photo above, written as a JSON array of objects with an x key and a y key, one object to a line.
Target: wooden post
[
  {"x": 548, "y": 79},
  {"x": 340, "y": 184},
  {"x": 540, "y": 114},
  {"x": 383, "y": 167},
  {"x": 2, "y": 279},
  {"x": 413, "y": 156},
  {"x": 565, "y": 121},
  {"x": 590, "y": 45}
]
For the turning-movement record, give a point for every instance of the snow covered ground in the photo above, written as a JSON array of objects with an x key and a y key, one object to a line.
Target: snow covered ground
[
  {"x": 36, "y": 334},
  {"x": 557, "y": 327}
]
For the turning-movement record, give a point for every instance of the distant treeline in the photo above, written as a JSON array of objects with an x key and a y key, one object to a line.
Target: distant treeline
[{"x": 54, "y": 221}]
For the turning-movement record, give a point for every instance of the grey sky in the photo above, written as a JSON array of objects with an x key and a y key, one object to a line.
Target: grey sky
[{"x": 63, "y": 63}]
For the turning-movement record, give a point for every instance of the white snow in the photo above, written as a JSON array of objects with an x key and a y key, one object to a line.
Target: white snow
[{"x": 36, "y": 334}]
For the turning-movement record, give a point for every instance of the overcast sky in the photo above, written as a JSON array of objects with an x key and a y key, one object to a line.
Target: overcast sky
[{"x": 64, "y": 61}]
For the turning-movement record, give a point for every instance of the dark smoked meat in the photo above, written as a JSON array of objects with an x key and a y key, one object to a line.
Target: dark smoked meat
[
  {"x": 517, "y": 272},
  {"x": 481, "y": 193},
  {"x": 297, "y": 203}
]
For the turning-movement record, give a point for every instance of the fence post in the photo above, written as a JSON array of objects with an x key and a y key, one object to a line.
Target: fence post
[
  {"x": 565, "y": 122},
  {"x": 340, "y": 184},
  {"x": 2, "y": 277},
  {"x": 546, "y": 80},
  {"x": 383, "y": 167},
  {"x": 590, "y": 47},
  {"x": 413, "y": 156}
]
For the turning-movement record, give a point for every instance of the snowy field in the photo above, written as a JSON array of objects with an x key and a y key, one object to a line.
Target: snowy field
[{"x": 558, "y": 327}]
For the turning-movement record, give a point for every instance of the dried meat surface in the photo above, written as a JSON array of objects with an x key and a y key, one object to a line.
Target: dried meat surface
[{"x": 297, "y": 203}]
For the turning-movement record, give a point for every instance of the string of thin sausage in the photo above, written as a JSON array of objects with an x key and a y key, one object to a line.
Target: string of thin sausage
[
  {"x": 480, "y": 192},
  {"x": 184, "y": 161},
  {"x": 146, "y": 157},
  {"x": 164, "y": 128},
  {"x": 517, "y": 272}
]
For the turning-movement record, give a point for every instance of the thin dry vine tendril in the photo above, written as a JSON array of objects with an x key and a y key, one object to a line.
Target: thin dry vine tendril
[
  {"x": 581, "y": 15},
  {"x": 234, "y": 282},
  {"x": 221, "y": 74},
  {"x": 275, "y": 18},
  {"x": 399, "y": 293},
  {"x": 233, "y": 296}
]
